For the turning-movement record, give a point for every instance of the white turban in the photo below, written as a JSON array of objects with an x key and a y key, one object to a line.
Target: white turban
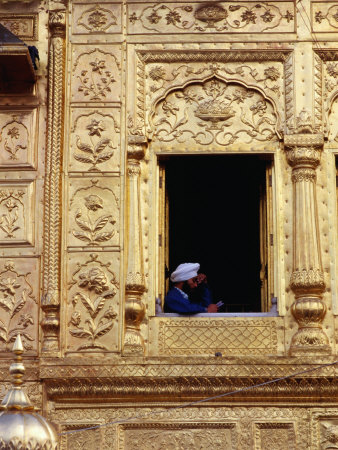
[{"x": 184, "y": 272}]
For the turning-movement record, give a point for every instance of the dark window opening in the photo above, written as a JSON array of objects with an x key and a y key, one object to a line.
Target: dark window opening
[{"x": 216, "y": 213}]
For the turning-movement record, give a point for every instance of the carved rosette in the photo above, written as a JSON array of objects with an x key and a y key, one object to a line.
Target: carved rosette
[
  {"x": 307, "y": 279},
  {"x": 135, "y": 282},
  {"x": 52, "y": 222}
]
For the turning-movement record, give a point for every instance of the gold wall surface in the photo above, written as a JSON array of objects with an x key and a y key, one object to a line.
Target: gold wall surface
[{"x": 118, "y": 85}]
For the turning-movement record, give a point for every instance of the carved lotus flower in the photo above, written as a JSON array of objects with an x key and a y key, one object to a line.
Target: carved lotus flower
[
  {"x": 157, "y": 73},
  {"x": 9, "y": 285},
  {"x": 95, "y": 279},
  {"x": 95, "y": 128},
  {"x": 13, "y": 133},
  {"x": 93, "y": 202},
  {"x": 272, "y": 73}
]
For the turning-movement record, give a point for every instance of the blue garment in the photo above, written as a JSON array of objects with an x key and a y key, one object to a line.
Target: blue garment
[{"x": 176, "y": 302}]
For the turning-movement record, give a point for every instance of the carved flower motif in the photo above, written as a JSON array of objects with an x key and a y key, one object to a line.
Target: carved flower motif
[
  {"x": 248, "y": 16},
  {"x": 13, "y": 133},
  {"x": 267, "y": 16},
  {"x": 259, "y": 108},
  {"x": 94, "y": 279},
  {"x": 97, "y": 19},
  {"x": 110, "y": 314},
  {"x": 75, "y": 319},
  {"x": 95, "y": 128},
  {"x": 98, "y": 65},
  {"x": 272, "y": 73},
  {"x": 173, "y": 17},
  {"x": 154, "y": 17},
  {"x": 335, "y": 16},
  {"x": 93, "y": 202},
  {"x": 11, "y": 204},
  {"x": 319, "y": 17},
  {"x": 169, "y": 108},
  {"x": 25, "y": 320},
  {"x": 8, "y": 285},
  {"x": 332, "y": 69},
  {"x": 133, "y": 18},
  {"x": 288, "y": 16},
  {"x": 157, "y": 73}
]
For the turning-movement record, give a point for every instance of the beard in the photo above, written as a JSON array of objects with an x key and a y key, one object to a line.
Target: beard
[{"x": 186, "y": 288}]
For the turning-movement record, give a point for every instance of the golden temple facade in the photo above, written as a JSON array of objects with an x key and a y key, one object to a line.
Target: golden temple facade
[{"x": 130, "y": 103}]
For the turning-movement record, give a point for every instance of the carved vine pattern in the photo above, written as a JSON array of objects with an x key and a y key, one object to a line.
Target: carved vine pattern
[
  {"x": 216, "y": 106},
  {"x": 96, "y": 82},
  {"x": 267, "y": 79},
  {"x": 15, "y": 292},
  {"x": 211, "y": 17},
  {"x": 10, "y": 199},
  {"x": 95, "y": 285},
  {"x": 95, "y": 151},
  {"x": 331, "y": 16}
]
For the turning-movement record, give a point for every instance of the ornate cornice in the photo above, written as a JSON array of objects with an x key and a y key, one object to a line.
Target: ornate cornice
[
  {"x": 309, "y": 389},
  {"x": 213, "y": 56}
]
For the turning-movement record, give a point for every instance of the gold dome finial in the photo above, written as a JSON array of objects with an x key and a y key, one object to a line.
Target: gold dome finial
[{"x": 20, "y": 425}]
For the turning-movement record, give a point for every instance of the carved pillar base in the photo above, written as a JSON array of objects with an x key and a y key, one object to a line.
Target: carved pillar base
[
  {"x": 310, "y": 338},
  {"x": 50, "y": 326},
  {"x": 134, "y": 314}
]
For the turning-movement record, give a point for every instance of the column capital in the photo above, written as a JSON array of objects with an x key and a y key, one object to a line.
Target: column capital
[
  {"x": 57, "y": 23},
  {"x": 137, "y": 145},
  {"x": 304, "y": 149}
]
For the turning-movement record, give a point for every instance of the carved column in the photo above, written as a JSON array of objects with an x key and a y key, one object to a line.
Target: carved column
[
  {"x": 307, "y": 279},
  {"x": 52, "y": 224},
  {"x": 135, "y": 283}
]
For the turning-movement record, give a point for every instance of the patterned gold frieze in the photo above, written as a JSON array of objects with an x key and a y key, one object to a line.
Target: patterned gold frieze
[
  {"x": 96, "y": 19},
  {"x": 157, "y": 436},
  {"x": 92, "y": 303},
  {"x": 183, "y": 336},
  {"x": 95, "y": 141},
  {"x": 94, "y": 212},
  {"x": 17, "y": 213},
  {"x": 19, "y": 306},
  {"x": 248, "y": 17},
  {"x": 24, "y": 26},
  {"x": 18, "y": 139},
  {"x": 96, "y": 74}
]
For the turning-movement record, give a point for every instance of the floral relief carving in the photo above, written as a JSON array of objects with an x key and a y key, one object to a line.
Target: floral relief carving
[
  {"x": 91, "y": 229},
  {"x": 10, "y": 200},
  {"x": 97, "y": 19},
  {"x": 95, "y": 211},
  {"x": 95, "y": 151},
  {"x": 14, "y": 138},
  {"x": 204, "y": 112},
  {"x": 326, "y": 13},
  {"x": 24, "y": 26},
  {"x": 16, "y": 294},
  {"x": 220, "y": 17},
  {"x": 277, "y": 436},
  {"x": 93, "y": 315},
  {"x": 94, "y": 75}
]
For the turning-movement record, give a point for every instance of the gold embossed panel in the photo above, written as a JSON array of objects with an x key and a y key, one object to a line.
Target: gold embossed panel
[
  {"x": 95, "y": 141},
  {"x": 17, "y": 139},
  {"x": 276, "y": 436},
  {"x": 94, "y": 212},
  {"x": 182, "y": 336},
  {"x": 222, "y": 17},
  {"x": 158, "y": 436},
  {"x": 96, "y": 18},
  {"x": 92, "y": 301},
  {"x": 24, "y": 26},
  {"x": 96, "y": 74}
]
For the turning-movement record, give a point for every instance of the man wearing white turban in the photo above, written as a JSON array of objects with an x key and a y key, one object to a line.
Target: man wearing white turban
[{"x": 186, "y": 279}]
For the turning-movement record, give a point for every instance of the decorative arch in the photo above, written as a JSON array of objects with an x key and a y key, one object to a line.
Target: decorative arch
[{"x": 214, "y": 111}]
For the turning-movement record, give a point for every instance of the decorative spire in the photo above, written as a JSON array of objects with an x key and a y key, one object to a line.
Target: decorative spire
[
  {"x": 16, "y": 397},
  {"x": 20, "y": 425}
]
